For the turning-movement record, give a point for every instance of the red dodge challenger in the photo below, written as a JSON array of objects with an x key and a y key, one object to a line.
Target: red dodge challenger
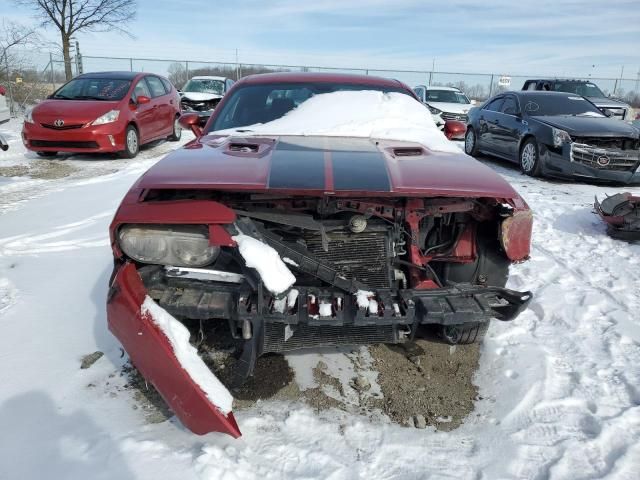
[
  {"x": 302, "y": 241},
  {"x": 104, "y": 112}
]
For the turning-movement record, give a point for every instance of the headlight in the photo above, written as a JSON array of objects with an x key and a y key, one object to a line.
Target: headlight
[
  {"x": 560, "y": 137},
  {"x": 28, "y": 115},
  {"x": 180, "y": 246},
  {"x": 434, "y": 110},
  {"x": 108, "y": 117}
]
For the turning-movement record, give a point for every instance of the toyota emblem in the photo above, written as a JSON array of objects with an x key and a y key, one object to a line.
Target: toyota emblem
[
  {"x": 58, "y": 123},
  {"x": 603, "y": 161}
]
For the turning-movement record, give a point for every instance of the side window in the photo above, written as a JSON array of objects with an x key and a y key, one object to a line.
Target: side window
[
  {"x": 155, "y": 86},
  {"x": 510, "y": 106},
  {"x": 494, "y": 105},
  {"x": 167, "y": 85},
  {"x": 532, "y": 86},
  {"x": 140, "y": 89},
  {"x": 420, "y": 92},
  {"x": 229, "y": 83}
]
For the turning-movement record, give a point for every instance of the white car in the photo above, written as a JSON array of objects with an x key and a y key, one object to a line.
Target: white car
[
  {"x": 5, "y": 114},
  {"x": 447, "y": 102},
  {"x": 202, "y": 93}
]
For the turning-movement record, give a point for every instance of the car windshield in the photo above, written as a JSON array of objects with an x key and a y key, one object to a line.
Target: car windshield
[
  {"x": 447, "y": 96},
  {"x": 554, "y": 104},
  {"x": 204, "y": 85},
  {"x": 586, "y": 89},
  {"x": 255, "y": 104},
  {"x": 105, "y": 89}
]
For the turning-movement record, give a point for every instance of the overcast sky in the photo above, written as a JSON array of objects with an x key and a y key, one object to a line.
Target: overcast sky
[{"x": 559, "y": 37}]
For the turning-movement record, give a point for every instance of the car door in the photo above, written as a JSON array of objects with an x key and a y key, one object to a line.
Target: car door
[
  {"x": 486, "y": 122},
  {"x": 506, "y": 127},
  {"x": 163, "y": 109},
  {"x": 144, "y": 112}
]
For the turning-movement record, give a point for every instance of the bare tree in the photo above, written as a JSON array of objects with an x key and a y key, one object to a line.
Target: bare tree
[
  {"x": 13, "y": 36},
  {"x": 72, "y": 16}
]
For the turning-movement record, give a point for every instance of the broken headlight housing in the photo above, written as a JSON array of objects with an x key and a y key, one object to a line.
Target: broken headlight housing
[
  {"x": 180, "y": 245},
  {"x": 560, "y": 137}
]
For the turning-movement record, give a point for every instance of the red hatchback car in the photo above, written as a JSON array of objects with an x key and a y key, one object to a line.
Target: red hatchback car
[{"x": 104, "y": 112}]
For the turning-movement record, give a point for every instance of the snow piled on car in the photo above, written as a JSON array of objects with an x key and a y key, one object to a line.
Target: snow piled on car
[
  {"x": 364, "y": 114},
  {"x": 273, "y": 272}
]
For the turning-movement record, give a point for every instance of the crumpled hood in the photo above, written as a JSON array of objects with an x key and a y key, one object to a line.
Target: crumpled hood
[
  {"x": 199, "y": 97},
  {"x": 322, "y": 165},
  {"x": 590, "y": 126},
  {"x": 462, "y": 108},
  {"x": 605, "y": 102}
]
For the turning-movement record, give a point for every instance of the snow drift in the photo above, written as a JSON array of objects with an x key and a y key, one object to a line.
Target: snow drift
[{"x": 364, "y": 114}]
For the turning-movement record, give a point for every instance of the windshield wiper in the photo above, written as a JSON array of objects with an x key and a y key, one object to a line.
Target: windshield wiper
[
  {"x": 62, "y": 97},
  {"x": 89, "y": 97}
]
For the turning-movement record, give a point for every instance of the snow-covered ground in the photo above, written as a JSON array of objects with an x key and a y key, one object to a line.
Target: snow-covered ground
[{"x": 559, "y": 387}]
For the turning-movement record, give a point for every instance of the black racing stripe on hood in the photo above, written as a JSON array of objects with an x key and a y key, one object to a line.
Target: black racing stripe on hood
[
  {"x": 360, "y": 170},
  {"x": 296, "y": 167}
]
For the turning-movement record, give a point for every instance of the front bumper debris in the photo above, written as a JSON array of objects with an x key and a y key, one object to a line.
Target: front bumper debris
[
  {"x": 581, "y": 161},
  {"x": 621, "y": 212},
  {"x": 254, "y": 312},
  {"x": 151, "y": 353}
]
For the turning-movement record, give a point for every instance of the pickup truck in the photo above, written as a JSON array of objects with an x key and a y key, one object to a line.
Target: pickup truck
[{"x": 585, "y": 88}]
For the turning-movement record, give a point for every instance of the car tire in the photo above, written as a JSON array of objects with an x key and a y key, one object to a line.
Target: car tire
[
  {"x": 465, "y": 334},
  {"x": 471, "y": 142},
  {"x": 131, "y": 142},
  {"x": 529, "y": 158},
  {"x": 177, "y": 131},
  {"x": 46, "y": 154},
  {"x": 491, "y": 268}
]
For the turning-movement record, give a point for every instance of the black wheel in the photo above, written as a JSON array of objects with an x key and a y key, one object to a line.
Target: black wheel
[
  {"x": 530, "y": 158},
  {"x": 491, "y": 268},
  {"x": 465, "y": 334},
  {"x": 131, "y": 142},
  {"x": 471, "y": 142},
  {"x": 46, "y": 154},
  {"x": 177, "y": 131}
]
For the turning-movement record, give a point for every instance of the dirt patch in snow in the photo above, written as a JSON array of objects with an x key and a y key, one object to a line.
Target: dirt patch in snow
[
  {"x": 428, "y": 379},
  {"x": 40, "y": 169},
  {"x": 422, "y": 383},
  {"x": 147, "y": 399}
]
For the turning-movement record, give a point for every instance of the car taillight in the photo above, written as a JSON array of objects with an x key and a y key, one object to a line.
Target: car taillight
[{"x": 3, "y": 91}]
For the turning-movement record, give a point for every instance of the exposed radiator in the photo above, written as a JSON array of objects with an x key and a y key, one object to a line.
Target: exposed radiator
[{"x": 361, "y": 256}]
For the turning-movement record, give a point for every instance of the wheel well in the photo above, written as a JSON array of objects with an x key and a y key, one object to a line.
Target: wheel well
[
  {"x": 135, "y": 125},
  {"x": 523, "y": 141}
]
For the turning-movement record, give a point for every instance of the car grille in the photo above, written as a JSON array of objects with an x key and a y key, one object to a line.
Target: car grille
[
  {"x": 63, "y": 127},
  {"x": 461, "y": 117},
  {"x": 306, "y": 336},
  {"x": 60, "y": 144},
  {"x": 361, "y": 256},
  {"x": 605, "y": 158}
]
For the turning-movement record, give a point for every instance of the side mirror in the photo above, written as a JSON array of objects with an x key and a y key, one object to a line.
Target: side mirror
[
  {"x": 473, "y": 101},
  {"x": 4, "y": 146},
  {"x": 607, "y": 112},
  {"x": 194, "y": 122},
  {"x": 143, "y": 100}
]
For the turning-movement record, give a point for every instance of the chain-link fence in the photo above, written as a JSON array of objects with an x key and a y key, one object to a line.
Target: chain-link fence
[{"x": 45, "y": 73}]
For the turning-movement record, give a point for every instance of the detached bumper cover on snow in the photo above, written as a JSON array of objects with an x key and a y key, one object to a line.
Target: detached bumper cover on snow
[
  {"x": 621, "y": 212},
  {"x": 151, "y": 353}
]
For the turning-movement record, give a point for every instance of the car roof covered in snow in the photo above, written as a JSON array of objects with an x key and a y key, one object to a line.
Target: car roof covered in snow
[
  {"x": 302, "y": 77},
  {"x": 112, "y": 75}
]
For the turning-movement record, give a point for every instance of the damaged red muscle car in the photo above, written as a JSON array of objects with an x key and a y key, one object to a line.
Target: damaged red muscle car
[{"x": 382, "y": 240}]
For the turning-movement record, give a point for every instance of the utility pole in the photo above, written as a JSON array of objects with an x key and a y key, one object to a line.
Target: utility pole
[{"x": 237, "y": 67}]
